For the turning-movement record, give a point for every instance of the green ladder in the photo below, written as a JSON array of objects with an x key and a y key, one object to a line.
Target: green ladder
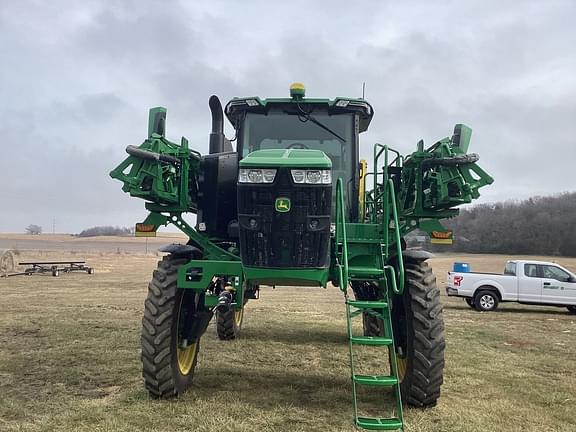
[
  {"x": 378, "y": 308},
  {"x": 381, "y": 309}
]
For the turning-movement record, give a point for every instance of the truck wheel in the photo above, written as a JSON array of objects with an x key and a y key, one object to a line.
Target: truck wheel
[
  {"x": 470, "y": 302},
  {"x": 419, "y": 335},
  {"x": 228, "y": 323},
  {"x": 571, "y": 309},
  {"x": 167, "y": 365},
  {"x": 485, "y": 301}
]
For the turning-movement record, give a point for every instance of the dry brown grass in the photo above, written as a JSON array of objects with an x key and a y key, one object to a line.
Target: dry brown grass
[
  {"x": 161, "y": 238},
  {"x": 69, "y": 360}
]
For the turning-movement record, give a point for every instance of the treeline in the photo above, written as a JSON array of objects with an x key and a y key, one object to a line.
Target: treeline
[
  {"x": 537, "y": 226},
  {"x": 106, "y": 231}
]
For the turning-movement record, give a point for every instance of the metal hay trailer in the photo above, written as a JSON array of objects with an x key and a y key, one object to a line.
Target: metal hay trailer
[{"x": 54, "y": 267}]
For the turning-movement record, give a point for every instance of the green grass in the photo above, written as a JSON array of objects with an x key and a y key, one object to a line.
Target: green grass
[{"x": 69, "y": 361}]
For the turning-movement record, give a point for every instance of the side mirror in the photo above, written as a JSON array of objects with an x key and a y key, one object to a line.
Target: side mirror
[
  {"x": 461, "y": 137},
  {"x": 157, "y": 121}
]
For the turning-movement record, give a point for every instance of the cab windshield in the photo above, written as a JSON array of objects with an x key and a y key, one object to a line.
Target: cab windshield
[{"x": 334, "y": 136}]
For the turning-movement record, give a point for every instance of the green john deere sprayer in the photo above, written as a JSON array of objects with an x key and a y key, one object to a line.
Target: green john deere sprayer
[{"x": 294, "y": 205}]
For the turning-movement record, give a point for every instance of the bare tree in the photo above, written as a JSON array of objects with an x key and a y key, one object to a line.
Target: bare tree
[
  {"x": 106, "y": 231},
  {"x": 34, "y": 229},
  {"x": 537, "y": 226}
]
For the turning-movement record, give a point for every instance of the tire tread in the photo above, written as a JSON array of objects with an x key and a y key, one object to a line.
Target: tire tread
[
  {"x": 421, "y": 386},
  {"x": 157, "y": 322}
]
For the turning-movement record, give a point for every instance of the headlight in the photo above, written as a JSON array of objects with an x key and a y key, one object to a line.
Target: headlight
[
  {"x": 256, "y": 175},
  {"x": 269, "y": 175},
  {"x": 312, "y": 176},
  {"x": 299, "y": 176}
]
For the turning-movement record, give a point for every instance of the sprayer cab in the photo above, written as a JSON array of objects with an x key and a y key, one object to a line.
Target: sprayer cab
[{"x": 331, "y": 126}]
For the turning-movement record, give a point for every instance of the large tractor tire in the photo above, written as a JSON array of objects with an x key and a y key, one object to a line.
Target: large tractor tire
[
  {"x": 419, "y": 335},
  {"x": 168, "y": 365},
  {"x": 229, "y": 323}
]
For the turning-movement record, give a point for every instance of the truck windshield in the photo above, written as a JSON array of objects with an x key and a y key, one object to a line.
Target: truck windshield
[{"x": 278, "y": 129}]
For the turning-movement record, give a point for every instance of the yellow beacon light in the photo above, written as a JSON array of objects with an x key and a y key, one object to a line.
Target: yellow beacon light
[{"x": 297, "y": 90}]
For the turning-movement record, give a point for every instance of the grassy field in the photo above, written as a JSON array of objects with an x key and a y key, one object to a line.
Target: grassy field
[{"x": 69, "y": 360}]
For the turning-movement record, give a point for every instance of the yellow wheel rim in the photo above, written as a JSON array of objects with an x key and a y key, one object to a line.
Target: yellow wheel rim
[
  {"x": 402, "y": 365},
  {"x": 239, "y": 316},
  {"x": 185, "y": 356}
]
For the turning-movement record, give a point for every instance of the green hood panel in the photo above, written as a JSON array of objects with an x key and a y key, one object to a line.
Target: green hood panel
[{"x": 292, "y": 158}]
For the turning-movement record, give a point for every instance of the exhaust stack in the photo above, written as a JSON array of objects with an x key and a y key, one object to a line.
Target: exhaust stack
[{"x": 218, "y": 142}]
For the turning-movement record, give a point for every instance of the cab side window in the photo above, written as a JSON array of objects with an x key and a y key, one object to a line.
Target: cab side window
[
  {"x": 552, "y": 272},
  {"x": 531, "y": 270},
  {"x": 510, "y": 269}
]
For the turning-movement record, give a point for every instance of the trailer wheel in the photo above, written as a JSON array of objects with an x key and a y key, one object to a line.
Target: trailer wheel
[
  {"x": 419, "y": 335},
  {"x": 485, "y": 301},
  {"x": 167, "y": 365},
  {"x": 55, "y": 273},
  {"x": 571, "y": 309},
  {"x": 229, "y": 323}
]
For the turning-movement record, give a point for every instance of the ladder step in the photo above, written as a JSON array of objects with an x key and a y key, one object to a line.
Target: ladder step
[
  {"x": 364, "y": 240},
  {"x": 379, "y": 423},
  {"x": 364, "y": 304},
  {"x": 365, "y": 272},
  {"x": 370, "y": 340},
  {"x": 375, "y": 380}
]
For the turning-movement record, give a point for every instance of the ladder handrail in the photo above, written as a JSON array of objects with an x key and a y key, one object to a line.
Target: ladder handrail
[
  {"x": 400, "y": 289},
  {"x": 341, "y": 239},
  {"x": 398, "y": 161},
  {"x": 383, "y": 198}
]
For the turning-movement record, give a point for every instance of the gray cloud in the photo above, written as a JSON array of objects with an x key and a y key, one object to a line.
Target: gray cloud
[{"x": 77, "y": 80}]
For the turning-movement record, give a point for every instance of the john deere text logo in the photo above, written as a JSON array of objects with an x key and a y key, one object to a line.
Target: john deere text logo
[{"x": 282, "y": 205}]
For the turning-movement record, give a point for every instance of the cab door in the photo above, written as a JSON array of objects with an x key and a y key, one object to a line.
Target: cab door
[
  {"x": 529, "y": 284},
  {"x": 558, "y": 286}
]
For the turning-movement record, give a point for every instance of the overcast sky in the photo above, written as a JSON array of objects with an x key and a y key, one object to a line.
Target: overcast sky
[{"x": 78, "y": 77}]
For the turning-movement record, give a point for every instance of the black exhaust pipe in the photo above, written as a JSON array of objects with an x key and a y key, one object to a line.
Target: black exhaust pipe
[{"x": 218, "y": 142}]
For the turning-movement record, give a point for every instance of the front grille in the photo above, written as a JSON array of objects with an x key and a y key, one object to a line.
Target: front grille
[{"x": 297, "y": 238}]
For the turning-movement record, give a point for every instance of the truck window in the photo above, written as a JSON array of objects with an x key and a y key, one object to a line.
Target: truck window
[
  {"x": 510, "y": 269},
  {"x": 531, "y": 270},
  {"x": 553, "y": 272}
]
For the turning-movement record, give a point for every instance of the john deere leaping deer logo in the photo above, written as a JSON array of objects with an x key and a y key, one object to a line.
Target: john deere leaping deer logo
[{"x": 282, "y": 204}]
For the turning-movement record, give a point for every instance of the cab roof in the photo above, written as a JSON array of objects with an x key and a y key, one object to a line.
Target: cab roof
[{"x": 237, "y": 107}]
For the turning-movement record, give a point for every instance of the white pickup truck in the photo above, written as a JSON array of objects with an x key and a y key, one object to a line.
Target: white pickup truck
[{"x": 531, "y": 282}]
